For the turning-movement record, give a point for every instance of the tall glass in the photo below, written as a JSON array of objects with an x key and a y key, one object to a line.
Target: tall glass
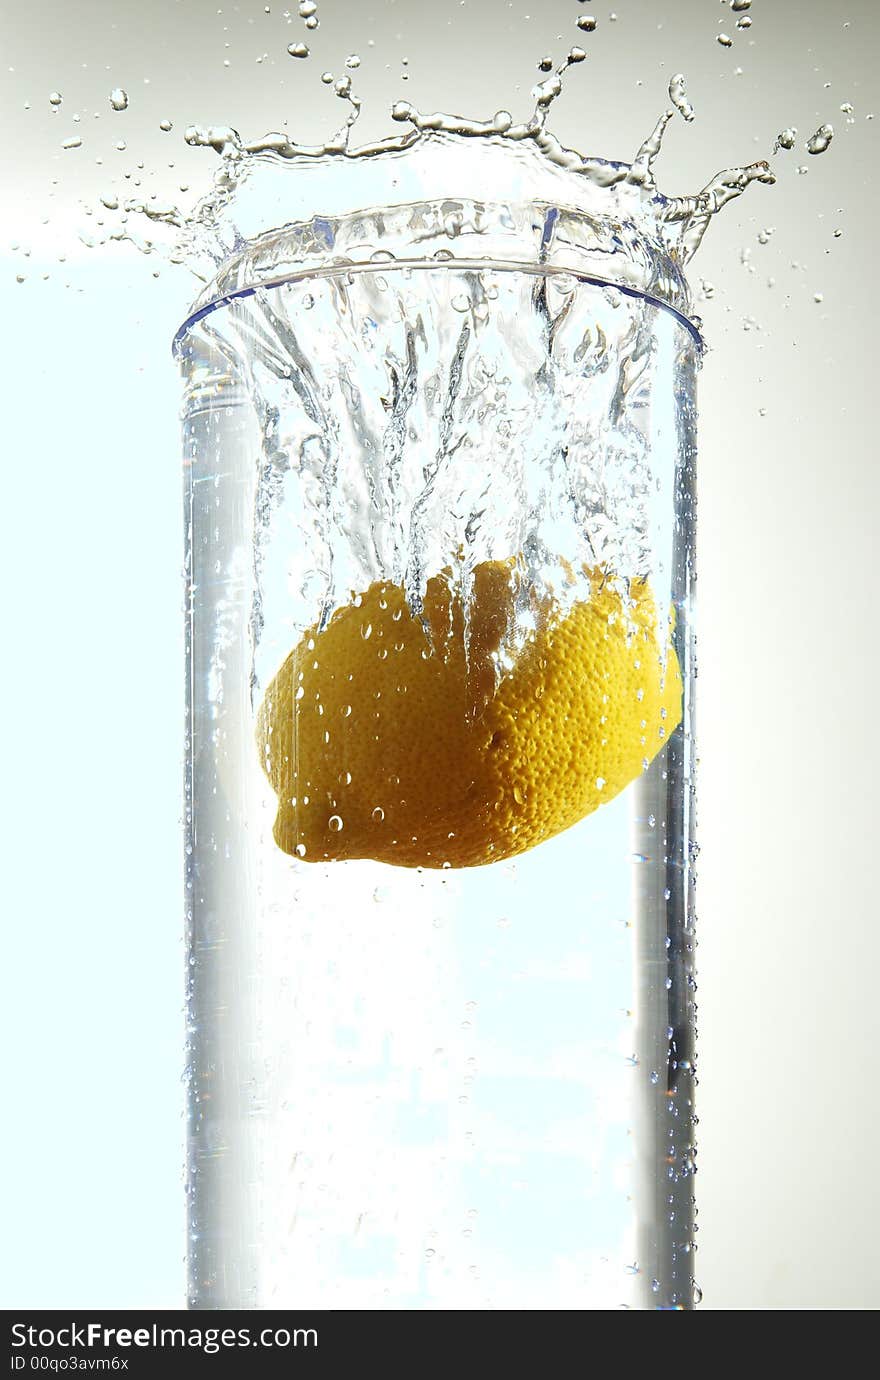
[{"x": 440, "y": 534}]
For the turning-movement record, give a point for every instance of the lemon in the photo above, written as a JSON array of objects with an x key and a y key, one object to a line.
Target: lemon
[{"x": 441, "y": 740}]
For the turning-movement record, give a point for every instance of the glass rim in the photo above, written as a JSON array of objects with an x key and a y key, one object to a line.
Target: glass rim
[{"x": 536, "y": 270}]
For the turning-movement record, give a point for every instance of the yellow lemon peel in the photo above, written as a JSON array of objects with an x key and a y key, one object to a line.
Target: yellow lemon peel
[{"x": 438, "y": 741}]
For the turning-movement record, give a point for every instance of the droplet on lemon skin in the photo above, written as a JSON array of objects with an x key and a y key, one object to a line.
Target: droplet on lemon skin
[{"x": 408, "y": 748}]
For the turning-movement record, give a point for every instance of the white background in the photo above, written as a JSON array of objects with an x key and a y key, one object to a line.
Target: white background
[{"x": 92, "y": 682}]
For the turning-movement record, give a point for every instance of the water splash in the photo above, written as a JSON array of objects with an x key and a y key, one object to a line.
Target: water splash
[{"x": 434, "y": 154}]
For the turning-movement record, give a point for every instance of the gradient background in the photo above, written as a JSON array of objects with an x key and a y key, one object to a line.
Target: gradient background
[{"x": 91, "y": 549}]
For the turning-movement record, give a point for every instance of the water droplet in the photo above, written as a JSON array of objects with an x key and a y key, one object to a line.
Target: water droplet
[
  {"x": 353, "y": 61},
  {"x": 819, "y": 142},
  {"x": 334, "y": 824},
  {"x": 378, "y": 814},
  {"x": 73, "y": 143},
  {"x": 738, "y": 6},
  {"x": 121, "y": 144},
  {"x": 307, "y": 8},
  {"x": 785, "y": 139},
  {"x": 679, "y": 98},
  {"x": 600, "y": 782},
  {"x": 818, "y": 297},
  {"x": 366, "y": 631},
  {"x": 587, "y": 23},
  {"x": 725, "y": 40},
  {"x": 55, "y": 98},
  {"x": 745, "y": 22},
  {"x": 300, "y": 850},
  {"x": 118, "y": 98},
  {"x": 298, "y": 50},
  {"x": 165, "y": 126}
]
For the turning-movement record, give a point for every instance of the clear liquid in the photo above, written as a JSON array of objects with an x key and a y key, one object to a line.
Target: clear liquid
[{"x": 433, "y": 1089}]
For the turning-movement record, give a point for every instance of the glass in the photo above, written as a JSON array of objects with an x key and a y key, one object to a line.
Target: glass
[{"x": 439, "y": 433}]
